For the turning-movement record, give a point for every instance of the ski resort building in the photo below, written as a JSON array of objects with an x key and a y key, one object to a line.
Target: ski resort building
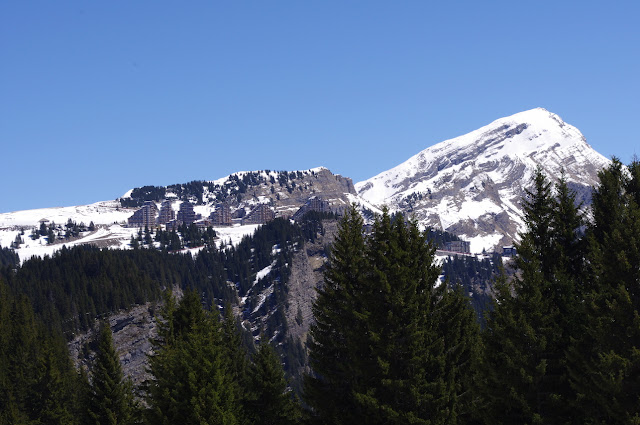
[
  {"x": 259, "y": 215},
  {"x": 145, "y": 216},
  {"x": 187, "y": 215},
  {"x": 166, "y": 213},
  {"x": 221, "y": 216},
  {"x": 463, "y": 247},
  {"x": 313, "y": 204}
]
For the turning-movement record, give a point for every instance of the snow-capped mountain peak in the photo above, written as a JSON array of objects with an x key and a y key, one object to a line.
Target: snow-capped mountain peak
[{"x": 472, "y": 184}]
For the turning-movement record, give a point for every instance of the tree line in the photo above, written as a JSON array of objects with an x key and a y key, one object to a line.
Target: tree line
[
  {"x": 391, "y": 343},
  {"x": 561, "y": 343}
]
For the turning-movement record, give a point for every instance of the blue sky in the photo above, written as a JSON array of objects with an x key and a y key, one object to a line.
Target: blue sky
[{"x": 100, "y": 97}]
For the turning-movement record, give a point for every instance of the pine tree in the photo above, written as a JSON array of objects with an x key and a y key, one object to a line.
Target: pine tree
[
  {"x": 382, "y": 349},
  {"x": 111, "y": 398},
  {"x": 191, "y": 379},
  {"x": 330, "y": 390},
  {"x": 270, "y": 402},
  {"x": 605, "y": 371},
  {"x": 528, "y": 333}
]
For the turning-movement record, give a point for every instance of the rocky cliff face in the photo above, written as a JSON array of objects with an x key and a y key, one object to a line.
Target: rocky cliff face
[
  {"x": 285, "y": 191},
  {"x": 473, "y": 185},
  {"x": 133, "y": 331},
  {"x": 286, "y": 196},
  {"x": 306, "y": 277}
]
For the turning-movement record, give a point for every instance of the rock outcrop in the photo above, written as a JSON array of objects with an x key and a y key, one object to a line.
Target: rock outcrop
[{"x": 473, "y": 185}]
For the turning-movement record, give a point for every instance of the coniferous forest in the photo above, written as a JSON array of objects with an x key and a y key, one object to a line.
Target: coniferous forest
[{"x": 390, "y": 342}]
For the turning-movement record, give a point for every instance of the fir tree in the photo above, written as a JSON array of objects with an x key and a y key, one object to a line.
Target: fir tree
[
  {"x": 383, "y": 349},
  {"x": 330, "y": 391},
  {"x": 111, "y": 397},
  {"x": 533, "y": 321},
  {"x": 270, "y": 402},
  {"x": 605, "y": 369},
  {"x": 191, "y": 380}
]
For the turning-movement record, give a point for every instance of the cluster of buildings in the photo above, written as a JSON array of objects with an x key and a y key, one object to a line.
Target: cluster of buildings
[{"x": 149, "y": 216}]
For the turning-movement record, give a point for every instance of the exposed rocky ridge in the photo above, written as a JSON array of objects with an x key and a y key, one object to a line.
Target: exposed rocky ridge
[
  {"x": 473, "y": 185},
  {"x": 284, "y": 191},
  {"x": 306, "y": 277},
  {"x": 133, "y": 331}
]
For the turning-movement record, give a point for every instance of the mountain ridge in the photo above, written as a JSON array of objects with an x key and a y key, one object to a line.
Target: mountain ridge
[{"x": 472, "y": 184}]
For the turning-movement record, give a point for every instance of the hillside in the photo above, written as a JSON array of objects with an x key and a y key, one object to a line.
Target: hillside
[{"x": 472, "y": 185}]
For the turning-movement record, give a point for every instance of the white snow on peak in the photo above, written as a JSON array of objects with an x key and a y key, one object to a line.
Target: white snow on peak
[
  {"x": 221, "y": 181},
  {"x": 472, "y": 185},
  {"x": 529, "y": 137}
]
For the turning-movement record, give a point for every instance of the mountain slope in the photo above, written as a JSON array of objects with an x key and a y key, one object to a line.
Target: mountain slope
[
  {"x": 284, "y": 191},
  {"x": 472, "y": 185}
]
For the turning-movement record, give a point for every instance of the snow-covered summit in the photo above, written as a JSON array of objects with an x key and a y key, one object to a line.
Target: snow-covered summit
[{"x": 472, "y": 184}]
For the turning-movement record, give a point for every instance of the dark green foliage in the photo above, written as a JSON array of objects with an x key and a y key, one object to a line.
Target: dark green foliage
[
  {"x": 605, "y": 369},
  {"x": 71, "y": 288},
  {"x": 529, "y": 331},
  {"x": 37, "y": 381},
  {"x": 311, "y": 224},
  {"x": 191, "y": 380},
  {"x": 332, "y": 354},
  {"x": 439, "y": 237},
  {"x": 388, "y": 345},
  {"x": 269, "y": 401},
  {"x": 141, "y": 194},
  {"x": 234, "y": 187},
  {"x": 475, "y": 277},
  {"x": 110, "y": 395},
  {"x": 8, "y": 257}
]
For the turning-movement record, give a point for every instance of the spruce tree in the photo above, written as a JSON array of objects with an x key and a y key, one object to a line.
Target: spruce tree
[
  {"x": 605, "y": 370},
  {"x": 270, "y": 402},
  {"x": 330, "y": 390},
  {"x": 528, "y": 333},
  {"x": 111, "y": 398},
  {"x": 383, "y": 350},
  {"x": 191, "y": 380}
]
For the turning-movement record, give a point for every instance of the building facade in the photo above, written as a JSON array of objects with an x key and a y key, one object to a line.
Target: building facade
[
  {"x": 166, "y": 213},
  {"x": 259, "y": 215},
  {"x": 313, "y": 204},
  {"x": 145, "y": 216},
  {"x": 221, "y": 216},
  {"x": 462, "y": 247}
]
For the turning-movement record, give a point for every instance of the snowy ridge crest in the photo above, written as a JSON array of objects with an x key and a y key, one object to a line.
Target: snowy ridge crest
[{"x": 472, "y": 184}]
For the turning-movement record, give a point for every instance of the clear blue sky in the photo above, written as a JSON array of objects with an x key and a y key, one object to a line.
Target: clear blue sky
[{"x": 97, "y": 97}]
